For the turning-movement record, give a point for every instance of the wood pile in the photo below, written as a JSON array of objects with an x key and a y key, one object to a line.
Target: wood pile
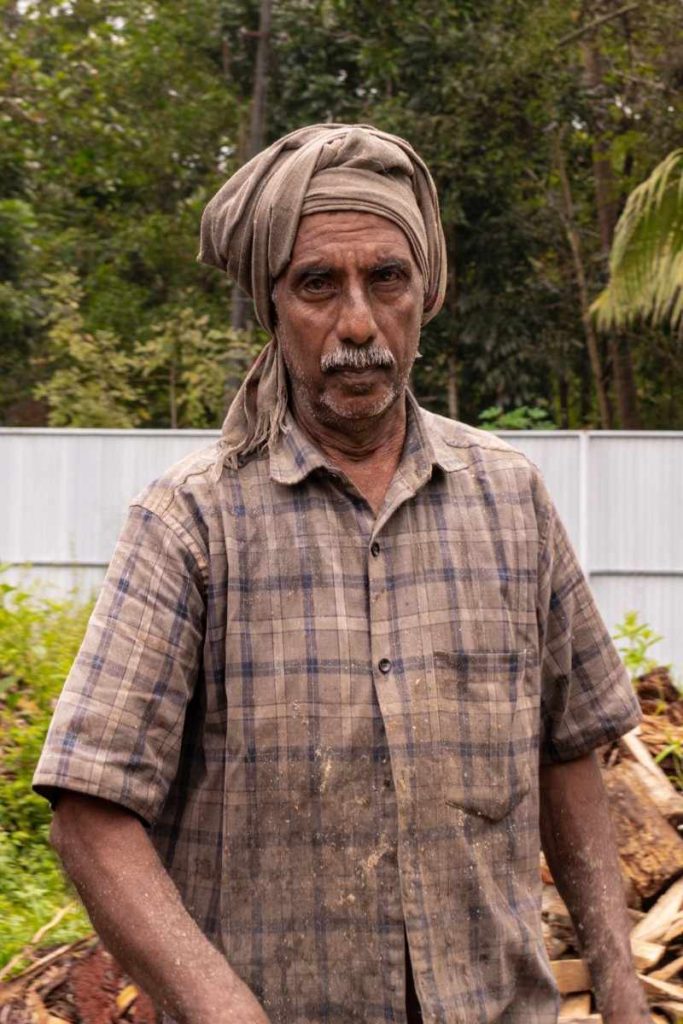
[
  {"x": 643, "y": 774},
  {"x": 79, "y": 983}
]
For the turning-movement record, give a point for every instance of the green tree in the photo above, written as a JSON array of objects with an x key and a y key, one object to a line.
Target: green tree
[
  {"x": 88, "y": 383},
  {"x": 646, "y": 262},
  {"x": 188, "y": 363}
]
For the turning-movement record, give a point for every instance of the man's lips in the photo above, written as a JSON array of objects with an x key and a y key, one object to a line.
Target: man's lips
[{"x": 356, "y": 371}]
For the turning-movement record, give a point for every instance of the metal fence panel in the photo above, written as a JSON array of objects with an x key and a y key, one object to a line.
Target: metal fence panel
[{"x": 619, "y": 493}]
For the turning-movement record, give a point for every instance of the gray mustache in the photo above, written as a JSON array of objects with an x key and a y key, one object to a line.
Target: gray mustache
[{"x": 362, "y": 358}]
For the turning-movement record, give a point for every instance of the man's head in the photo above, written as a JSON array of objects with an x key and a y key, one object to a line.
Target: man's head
[
  {"x": 349, "y": 308},
  {"x": 357, "y": 198}
]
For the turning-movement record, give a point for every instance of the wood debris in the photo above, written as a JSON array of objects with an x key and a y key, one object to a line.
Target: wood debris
[
  {"x": 76, "y": 984},
  {"x": 643, "y": 776}
]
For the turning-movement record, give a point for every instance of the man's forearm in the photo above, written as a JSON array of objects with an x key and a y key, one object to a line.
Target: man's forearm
[
  {"x": 581, "y": 852},
  {"x": 137, "y": 912}
]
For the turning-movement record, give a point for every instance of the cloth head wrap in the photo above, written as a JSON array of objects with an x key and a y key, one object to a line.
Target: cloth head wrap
[{"x": 249, "y": 228}]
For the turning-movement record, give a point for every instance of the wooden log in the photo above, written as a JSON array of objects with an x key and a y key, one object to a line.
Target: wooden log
[
  {"x": 650, "y": 850},
  {"x": 660, "y": 917},
  {"x": 578, "y": 1005},
  {"x": 571, "y": 976},
  {"x": 666, "y": 799}
]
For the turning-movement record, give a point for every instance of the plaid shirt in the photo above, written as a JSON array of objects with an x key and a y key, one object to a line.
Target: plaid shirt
[{"x": 332, "y": 721}]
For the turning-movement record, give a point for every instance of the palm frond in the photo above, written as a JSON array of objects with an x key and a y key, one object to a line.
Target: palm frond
[{"x": 646, "y": 262}]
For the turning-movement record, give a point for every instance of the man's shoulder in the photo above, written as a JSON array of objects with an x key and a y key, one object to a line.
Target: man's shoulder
[
  {"x": 187, "y": 484},
  {"x": 474, "y": 446}
]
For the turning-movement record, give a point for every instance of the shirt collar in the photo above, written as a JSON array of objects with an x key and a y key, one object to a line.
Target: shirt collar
[{"x": 294, "y": 456}]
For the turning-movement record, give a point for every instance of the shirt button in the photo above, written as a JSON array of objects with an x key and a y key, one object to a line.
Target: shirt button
[
  {"x": 384, "y": 665},
  {"x": 374, "y": 548}
]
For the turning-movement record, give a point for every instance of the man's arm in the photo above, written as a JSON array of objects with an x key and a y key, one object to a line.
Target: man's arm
[
  {"x": 137, "y": 912},
  {"x": 579, "y": 845}
]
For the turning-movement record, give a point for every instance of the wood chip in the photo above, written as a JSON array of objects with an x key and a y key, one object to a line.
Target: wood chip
[{"x": 126, "y": 998}]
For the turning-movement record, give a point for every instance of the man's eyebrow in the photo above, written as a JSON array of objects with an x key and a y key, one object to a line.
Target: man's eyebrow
[
  {"x": 312, "y": 270},
  {"x": 392, "y": 263}
]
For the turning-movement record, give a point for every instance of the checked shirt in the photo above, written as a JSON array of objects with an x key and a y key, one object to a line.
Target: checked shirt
[{"x": 332, "y": 722}]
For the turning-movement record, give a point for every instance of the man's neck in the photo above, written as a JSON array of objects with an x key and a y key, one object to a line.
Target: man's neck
[{"x": 366, "y": 451}]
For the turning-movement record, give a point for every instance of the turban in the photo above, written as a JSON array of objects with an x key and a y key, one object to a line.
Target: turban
[{"x": 249, "y": 228}]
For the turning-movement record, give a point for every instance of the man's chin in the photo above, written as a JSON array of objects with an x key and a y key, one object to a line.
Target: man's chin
[{"x": 359, "y": 408}]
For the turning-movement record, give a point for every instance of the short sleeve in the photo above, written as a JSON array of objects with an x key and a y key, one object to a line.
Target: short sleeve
[
  {"x": 117, "y": 729},
  {"x": 587, "y": 698}
]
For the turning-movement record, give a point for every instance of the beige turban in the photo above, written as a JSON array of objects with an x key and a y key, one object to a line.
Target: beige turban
[{"x": 249, "y": 227}]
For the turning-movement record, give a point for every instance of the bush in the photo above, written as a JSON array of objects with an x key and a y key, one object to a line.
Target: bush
[{"x": 39, "y": 639}]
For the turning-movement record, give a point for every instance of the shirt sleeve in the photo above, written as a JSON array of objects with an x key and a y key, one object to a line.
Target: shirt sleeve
[
  {"x": 587, "y": 698},
  {"x": 117, "y": 729}
]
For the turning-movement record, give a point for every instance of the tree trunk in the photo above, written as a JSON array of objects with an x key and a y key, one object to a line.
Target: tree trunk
[
  {"x": 241, "y": 305},
  {"x": 451, "y": 304},
  {"x": 452, "y": 386},
  {"x": 172, "y": 395},
  {"x": 580, "y": 275},
  {"x": 606, "y": 198}
]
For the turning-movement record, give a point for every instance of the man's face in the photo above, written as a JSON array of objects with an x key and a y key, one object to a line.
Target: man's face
[{"x": 349, "y": 308}]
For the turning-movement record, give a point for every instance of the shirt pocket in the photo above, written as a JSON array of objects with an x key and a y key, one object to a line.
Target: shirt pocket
[{"x": 489, "y": 730}]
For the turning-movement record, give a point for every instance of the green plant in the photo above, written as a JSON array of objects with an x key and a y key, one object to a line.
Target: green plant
[
  {"x": 524, "y": 417},
  {"x": 674, "y": 771},
  {"x": 646, "y": 262},
  {"x": 638, "y": 638},
  {"x": 39, "y": 638}
]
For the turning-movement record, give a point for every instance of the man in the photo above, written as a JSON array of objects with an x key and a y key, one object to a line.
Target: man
[{"x": 339, "y": 661}]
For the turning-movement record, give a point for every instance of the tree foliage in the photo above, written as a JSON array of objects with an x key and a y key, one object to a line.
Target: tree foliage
[
  {"x": 120, "y": 120},
  {"x": 646, "y": 262}
]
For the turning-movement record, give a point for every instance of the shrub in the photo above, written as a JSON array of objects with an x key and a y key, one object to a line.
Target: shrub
[{"x": 39, "y": 639}]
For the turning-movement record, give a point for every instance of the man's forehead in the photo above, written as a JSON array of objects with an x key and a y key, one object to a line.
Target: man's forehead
[{"x": 361, "y": 234}]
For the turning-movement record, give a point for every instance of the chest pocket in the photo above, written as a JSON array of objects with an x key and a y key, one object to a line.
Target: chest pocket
[{"x": 489, "y": 730}]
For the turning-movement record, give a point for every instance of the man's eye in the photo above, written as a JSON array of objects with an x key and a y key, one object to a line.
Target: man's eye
[
  {"x": 316, "y": 284},
  {"x": 387, "y": 275}
]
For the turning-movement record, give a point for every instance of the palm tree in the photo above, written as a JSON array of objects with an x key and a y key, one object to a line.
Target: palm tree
[{"x": 646, "y": 261}]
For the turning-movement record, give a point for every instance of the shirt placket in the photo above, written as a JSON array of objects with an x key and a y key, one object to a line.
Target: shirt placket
[{"x": 393, "y": 696}]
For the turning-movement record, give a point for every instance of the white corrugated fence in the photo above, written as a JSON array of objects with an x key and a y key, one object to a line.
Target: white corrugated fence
[{"x": 620, "y": 494}]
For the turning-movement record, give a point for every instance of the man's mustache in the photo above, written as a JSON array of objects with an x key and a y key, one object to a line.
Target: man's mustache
[{"x": 361, "y": 358}]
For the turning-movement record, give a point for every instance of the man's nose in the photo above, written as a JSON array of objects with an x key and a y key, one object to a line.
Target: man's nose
[{"x": 356, "y": 322}]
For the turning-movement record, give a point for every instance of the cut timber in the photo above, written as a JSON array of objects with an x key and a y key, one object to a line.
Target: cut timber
[
  {"x": 665, "y": 798},
  {"x": 669, "y": 970},
  {"x": 675, "y": 931},
  {"x": 661, "y": 916},
  {"x": 674, "y": 1011},
  {"x": 571, "y": 976},
  {"x": 575, "y": 1006},
  {"x": 650, "y": 850},
  {"x": 646, "y": 955},
  {"x": 592, "y": 1018},
  {"x": 661, "y": 989}
]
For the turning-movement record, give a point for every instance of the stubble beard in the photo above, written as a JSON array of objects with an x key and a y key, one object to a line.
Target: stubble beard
[{"x": 335, "y": 412}]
